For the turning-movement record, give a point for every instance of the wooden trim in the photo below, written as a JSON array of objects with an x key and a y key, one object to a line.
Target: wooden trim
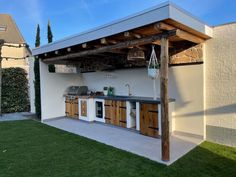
[
  {"x": 121, "y": 45},
  {"x": 107, "y": 118},
  {"x": 123, "y": 121}
]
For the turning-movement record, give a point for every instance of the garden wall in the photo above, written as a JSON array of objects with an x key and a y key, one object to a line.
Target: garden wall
[{"x": 220, "y": 85}]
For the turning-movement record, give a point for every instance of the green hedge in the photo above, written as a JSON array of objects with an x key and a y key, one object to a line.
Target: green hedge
[{"x": 15, "y": 97}]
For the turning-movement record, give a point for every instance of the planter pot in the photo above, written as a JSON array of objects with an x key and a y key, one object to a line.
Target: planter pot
[
  {"x": 105, "y": 92},
  {"x": 153, "y": 73}
]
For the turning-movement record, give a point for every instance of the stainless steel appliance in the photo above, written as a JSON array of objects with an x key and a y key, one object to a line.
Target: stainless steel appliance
[{"x": 77, "y": 90}]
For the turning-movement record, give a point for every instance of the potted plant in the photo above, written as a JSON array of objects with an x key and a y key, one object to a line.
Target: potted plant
[
  {"x": 105, "y": 91},
  {"x": 153, "y": 70},
  {"x": 154, "y": 65}
]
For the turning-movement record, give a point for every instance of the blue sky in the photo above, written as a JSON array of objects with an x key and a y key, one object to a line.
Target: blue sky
[{"x": 69, "y": 17}]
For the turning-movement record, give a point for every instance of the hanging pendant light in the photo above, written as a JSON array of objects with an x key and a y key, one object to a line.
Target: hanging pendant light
[{"x": 136, "y": 54}]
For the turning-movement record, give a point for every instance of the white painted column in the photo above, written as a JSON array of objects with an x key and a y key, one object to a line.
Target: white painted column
[{"x": 137, "y": 116}]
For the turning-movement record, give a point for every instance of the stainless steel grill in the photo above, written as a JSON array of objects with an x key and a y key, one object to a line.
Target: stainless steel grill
[{"x": 77, "y": 90}]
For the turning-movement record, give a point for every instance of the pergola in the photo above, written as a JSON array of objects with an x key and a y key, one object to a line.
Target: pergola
[{"x": 168, "y": 35}]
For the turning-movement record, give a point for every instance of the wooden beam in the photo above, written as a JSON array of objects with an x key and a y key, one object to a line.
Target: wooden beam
[
  {"x": 131, "y": 34},
  {"x": 159, "y": 43},
  {"x": 189, "y": 37},
  {"x": 180, "y": 33},
  {"x": 121, "y": 45},
  {"x": 163, "y": 26},
  {"x": 108, "y": 41},
  {"x": 84, "y": 46},
  {"x": 69, "y": 49},
  {"x": 164, "y": 100}
]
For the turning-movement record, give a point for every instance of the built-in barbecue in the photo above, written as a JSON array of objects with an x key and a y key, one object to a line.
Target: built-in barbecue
[
  {"x": 72, "y": 101},
  {"x": 76, "y": 90}
]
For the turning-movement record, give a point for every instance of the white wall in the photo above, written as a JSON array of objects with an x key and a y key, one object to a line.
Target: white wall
[
  {"x": 220, "y": 85},
  {"x": 31, "y": 84},
  {"x": 53, "y": 86},
  {"x": 185, "y": 85}
]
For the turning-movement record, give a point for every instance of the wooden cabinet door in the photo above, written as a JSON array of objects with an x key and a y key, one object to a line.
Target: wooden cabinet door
[
  {"x": 68, "y": 107},
  {"x": 83, "y": 108},
  {"x": 75, "y": 108},
  {"x": 115, "y": 112},
  {"x": 72, "y": 110},
  {"x": 149, "y": 120},
  {"x": 108, "y": 111},
  {"x": 121, "y": 113}
]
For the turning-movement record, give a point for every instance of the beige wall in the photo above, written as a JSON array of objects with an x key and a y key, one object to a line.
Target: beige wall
[
  {"x": 220, "y": 85},
  {"x": 12, "y": 52}
]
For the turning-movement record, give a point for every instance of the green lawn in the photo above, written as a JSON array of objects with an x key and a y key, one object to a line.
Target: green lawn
[{"x": 31, "y": 149}]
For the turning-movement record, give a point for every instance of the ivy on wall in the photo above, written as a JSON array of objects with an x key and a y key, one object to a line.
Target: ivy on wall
[{"x": 15, "y": 96}]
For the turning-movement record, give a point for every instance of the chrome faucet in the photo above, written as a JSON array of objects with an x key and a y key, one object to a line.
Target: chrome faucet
[{"x": 127, "y": 85}]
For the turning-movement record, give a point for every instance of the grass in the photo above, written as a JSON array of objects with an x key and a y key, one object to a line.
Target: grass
[{"x": 31, "y": 149}]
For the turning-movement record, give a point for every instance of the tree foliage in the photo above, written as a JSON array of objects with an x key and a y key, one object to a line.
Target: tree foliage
[
  {"x": 37, "y": 77},
  {"x": 51, "y": 67},
  {"x": 37, "y": 41},
  {"x": 50, "y": 36}
]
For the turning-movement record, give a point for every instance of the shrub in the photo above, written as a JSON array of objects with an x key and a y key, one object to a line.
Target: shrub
[{"x": 15, "y": 97}]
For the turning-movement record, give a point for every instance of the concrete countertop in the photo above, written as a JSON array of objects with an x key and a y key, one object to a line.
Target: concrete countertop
[{"x": 132, "y": 98}]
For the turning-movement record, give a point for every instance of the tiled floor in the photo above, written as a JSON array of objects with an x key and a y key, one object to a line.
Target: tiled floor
[{"x": 127, "y": 140}]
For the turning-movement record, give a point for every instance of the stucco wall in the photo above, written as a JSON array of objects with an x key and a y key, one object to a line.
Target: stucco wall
[
  {"x": 53, "y": 86},
  {"x": 220, "y": 85},
  {"x": 185, "y": 85},
  {"x": 12, "y": 52},
  {"x": 31, "y": 84}
]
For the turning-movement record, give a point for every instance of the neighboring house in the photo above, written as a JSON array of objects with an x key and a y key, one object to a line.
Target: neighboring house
[
  {"x": 202, "y": 74},
  {"x": 13, "y": 56},
  {"x": 15, "y": 51}
]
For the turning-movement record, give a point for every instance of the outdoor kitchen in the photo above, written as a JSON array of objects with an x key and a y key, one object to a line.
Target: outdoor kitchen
[{"x": 137, "y": 113}]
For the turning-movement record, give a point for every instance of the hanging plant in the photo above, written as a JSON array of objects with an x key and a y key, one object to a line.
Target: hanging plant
[{"x": 154, "y": 65}]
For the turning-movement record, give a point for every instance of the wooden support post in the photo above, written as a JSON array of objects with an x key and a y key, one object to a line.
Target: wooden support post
[{"x": 164, "y": 99}]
